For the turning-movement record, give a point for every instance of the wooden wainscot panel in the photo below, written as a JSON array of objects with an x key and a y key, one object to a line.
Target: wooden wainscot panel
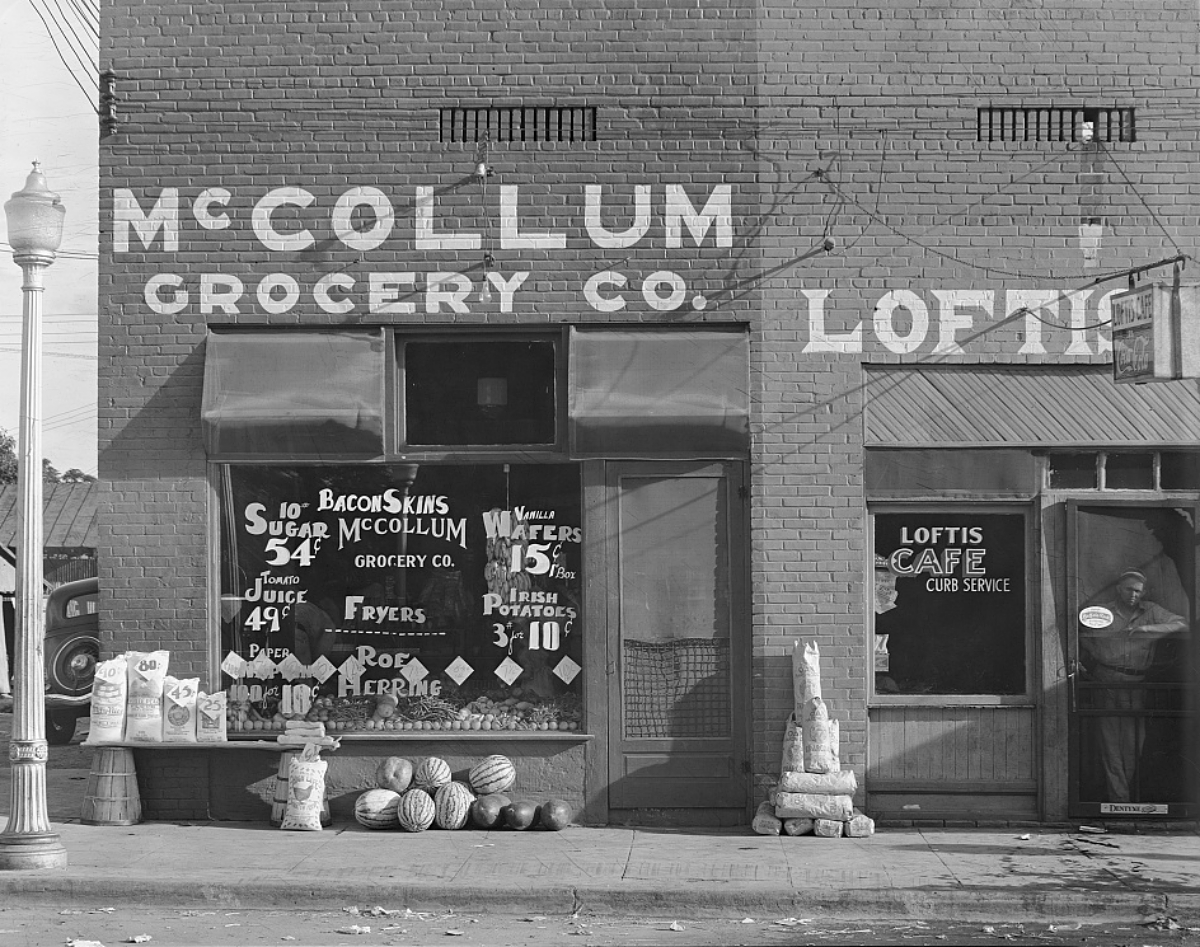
[{"x": 952, "y": 762}]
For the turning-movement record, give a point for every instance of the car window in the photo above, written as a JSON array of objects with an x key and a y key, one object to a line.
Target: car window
[{"x": 80, "y": 605}]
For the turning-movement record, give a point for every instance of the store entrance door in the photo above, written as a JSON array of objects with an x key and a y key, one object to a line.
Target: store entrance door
[
  {"x": 678, "y": 638},
  {"x": 1131, "y": 644}
]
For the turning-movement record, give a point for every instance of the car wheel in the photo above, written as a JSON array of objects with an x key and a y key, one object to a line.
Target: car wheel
[{"x": 60, "y": 726}]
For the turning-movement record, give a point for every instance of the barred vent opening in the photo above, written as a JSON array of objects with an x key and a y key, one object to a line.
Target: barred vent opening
[
  {"x": 519, "y": 123},
  {"x": 1052, "y": 123}
]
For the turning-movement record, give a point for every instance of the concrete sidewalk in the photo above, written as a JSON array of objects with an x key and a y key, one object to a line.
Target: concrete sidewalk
[{"x": 1002, "y": 874}]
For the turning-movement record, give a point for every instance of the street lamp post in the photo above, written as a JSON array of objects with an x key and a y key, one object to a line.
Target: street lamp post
[{"x": 35, "y": 224}]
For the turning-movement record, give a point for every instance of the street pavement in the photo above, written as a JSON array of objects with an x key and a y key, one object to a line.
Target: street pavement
[{"x": 1004, "y": 873}]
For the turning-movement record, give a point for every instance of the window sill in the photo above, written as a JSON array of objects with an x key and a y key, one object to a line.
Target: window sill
[{"x": 948, "y": 700}]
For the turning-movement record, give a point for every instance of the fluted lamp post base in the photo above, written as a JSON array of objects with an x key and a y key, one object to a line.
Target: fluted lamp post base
[{"x": 20, "y": 852}]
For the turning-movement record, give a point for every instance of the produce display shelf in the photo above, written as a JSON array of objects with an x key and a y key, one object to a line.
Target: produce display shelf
[
  {"x": 394, "y": 736},
  {"x": 234, "y": 744}
]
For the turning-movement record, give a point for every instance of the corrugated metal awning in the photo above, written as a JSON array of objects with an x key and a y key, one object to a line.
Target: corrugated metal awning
[
  {"x": 70, "y": 514},
  {"x": 1055, "y": 406}
]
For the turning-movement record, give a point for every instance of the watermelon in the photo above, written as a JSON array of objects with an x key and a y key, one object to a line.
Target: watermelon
[
  {"x": 494, "y": 774},
  {"x": 520, "y": 815},
  {"x": 487, "y": 811},
  {"x": 416, "y": 810},
  {"x": 394, "y": 773},
  {"x": 452, "y": 805},
  {"x": 431, "y": 774},
  {"x": 377, "y": 809},
  {"x": 555, "y": 815}
]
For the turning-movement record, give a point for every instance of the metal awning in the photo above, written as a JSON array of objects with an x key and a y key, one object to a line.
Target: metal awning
[
  {"x": 294, "y": 394},
  {"x": 1025, "y": 406}
]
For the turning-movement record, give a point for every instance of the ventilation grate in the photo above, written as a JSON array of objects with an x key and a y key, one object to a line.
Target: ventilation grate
[
  {"x": 1053, "y": 123},
  {"x": 518, "y": 123}
]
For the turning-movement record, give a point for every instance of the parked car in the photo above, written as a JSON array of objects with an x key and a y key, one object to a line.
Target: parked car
[{"x": 72, "y": 649}]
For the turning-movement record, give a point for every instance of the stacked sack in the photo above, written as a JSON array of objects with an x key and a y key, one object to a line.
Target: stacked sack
[
  {"x": 301, "y": 733},
  {"x": 814, "y": 795},
  {"x": 135, "y": 700}
]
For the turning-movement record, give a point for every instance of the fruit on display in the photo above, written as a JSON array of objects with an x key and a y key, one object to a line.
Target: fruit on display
[
  {"x": 519, "y": 709},
  {"x": 520, "y": 815},
  {"x": 555, "y": 815},
  {"x": 394, "y": 773},
  {"x": 431, "y": 774},
  {"x": 416, "y": 810},
  {"x": 492, "y": 775},
  {"x": 377, "y": 809},
  {"x": 487, "y": 812},
  {"x": 452, "y": 806}
]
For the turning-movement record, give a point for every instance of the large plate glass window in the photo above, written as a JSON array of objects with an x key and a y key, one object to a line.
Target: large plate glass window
[
  {"x": 950, "y": 603},
  {"x": 402, "y": 596}
]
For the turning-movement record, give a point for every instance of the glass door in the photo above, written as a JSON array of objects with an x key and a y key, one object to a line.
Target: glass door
[
  {"x": 1133, "y": 733},
  {"x": 678, "y": 700}
]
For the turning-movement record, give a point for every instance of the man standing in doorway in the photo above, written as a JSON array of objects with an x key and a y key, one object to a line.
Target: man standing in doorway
[{"x": 1118, "y": 655}]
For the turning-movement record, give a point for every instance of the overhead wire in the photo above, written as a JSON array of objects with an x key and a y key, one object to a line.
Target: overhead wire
[{"x": 89, "y": 68}]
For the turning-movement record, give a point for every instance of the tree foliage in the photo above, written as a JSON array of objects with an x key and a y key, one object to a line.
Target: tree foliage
[{"x": 50, "y": 474}]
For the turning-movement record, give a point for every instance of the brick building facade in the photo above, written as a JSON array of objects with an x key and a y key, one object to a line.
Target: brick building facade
[{"x": 877, "y": 232}]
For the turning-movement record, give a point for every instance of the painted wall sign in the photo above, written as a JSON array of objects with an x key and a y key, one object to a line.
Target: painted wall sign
[{"x": 685, "y": 229}]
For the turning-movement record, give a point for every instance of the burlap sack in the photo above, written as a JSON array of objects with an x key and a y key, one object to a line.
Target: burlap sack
[
  {"x": 835, "y": 746},
  {"x": 860, "y": 826},
  {"x": 832, "y": 784},
  {"x": 211, "y": 725},
  {"x": 179, "y": 709},
  {"x": 143, "y": 703},
  {"x": 792, "y": 760},
  {"x": 806, "y": 675},
  {"x": 808, "y": 805},
  {"x": 108, "y": 701},
  {"x": 765, "y": 822},
  {"x": 817, "y": 736},
  {"x": 797, "y": 826},
  {"x": 828, "y": 828},
  {"x": 306, "y": 792}
]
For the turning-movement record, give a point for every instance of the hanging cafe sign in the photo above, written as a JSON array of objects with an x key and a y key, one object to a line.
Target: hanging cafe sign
[{"x": 1156, "y": 333}]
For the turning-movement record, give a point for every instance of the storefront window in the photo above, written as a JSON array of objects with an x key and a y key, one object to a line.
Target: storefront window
[
  {"x": 403, "y": 597},
  {"x": 950, "y": 603},
  {"x": 481, "y": 392}
]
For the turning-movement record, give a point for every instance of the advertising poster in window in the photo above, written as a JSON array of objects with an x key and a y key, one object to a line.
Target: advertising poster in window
[
  {"x": 950, "y": 603},
  {"x": 402, "y": 597}
]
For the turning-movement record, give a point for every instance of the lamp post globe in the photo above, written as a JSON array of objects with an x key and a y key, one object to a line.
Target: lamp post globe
[{"x": 35, "y": 223}]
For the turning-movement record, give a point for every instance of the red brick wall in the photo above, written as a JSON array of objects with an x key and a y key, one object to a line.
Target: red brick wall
[{"x": 840, "y": 120}]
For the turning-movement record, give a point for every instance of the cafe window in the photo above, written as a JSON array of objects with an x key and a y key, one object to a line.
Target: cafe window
[
  {"x": 402, "y": 596},
  {"x": 950, "y": 603}
]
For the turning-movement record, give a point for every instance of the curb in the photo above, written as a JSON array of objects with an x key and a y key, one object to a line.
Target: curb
[{"x": 700, "y": 900}]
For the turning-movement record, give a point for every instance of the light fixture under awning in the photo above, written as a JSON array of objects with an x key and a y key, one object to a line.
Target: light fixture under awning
[
  {"x": 645, "y": 393},
  {"x": 294, "y": 394}
]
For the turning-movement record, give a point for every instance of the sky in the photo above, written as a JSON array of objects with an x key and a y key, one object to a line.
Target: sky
[{"x": 46, "y": 116}]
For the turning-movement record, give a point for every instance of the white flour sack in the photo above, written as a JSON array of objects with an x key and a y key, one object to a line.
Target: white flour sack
[
  {"x": 818, "y": 755},
  {"x": 306, "y": 792},
  {"x": 792, "y": 759},
  {"x": 143, "y": 704},
  {"x": 210, "y": 718},
  {"x": 179, "y": 709},
  {"x": 806, "y": 675},
  {"x": 108, "y": 701}
]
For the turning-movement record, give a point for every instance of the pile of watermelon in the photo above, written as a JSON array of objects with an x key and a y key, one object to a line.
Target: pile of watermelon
[{"x": 417, "y": 797}]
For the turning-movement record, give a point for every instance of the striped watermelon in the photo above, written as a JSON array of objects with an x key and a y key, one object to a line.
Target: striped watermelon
[
  {"x": 416, "y": 811},
  {"x": 494, "y": 774},
  {"x": 376, "y": 809},
  {"x": 453, "y": 805},
  {"x": 431, "y": 774}
]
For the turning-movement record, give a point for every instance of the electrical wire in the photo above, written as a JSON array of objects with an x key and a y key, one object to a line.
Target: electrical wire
[{"x": 90, "y": 96}]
